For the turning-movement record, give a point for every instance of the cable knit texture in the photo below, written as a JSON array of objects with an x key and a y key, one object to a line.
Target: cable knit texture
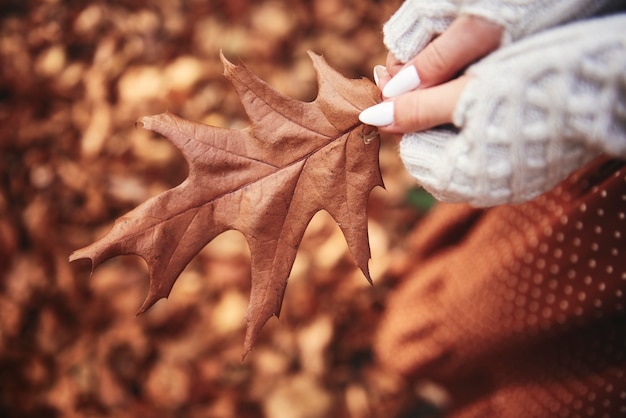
[
  {"x": 521, "y": 18},
  {"x": 416, "y": 22},
  {"x": 533, "y": 113},
  {"x": 414, "y": 25}
]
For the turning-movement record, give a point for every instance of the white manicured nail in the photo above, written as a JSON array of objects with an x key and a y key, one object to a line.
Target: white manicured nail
[
  {"x": 379, "y": 71},
  {"x": 378, "y": 115},
  {"x": 406, "y": 80}
]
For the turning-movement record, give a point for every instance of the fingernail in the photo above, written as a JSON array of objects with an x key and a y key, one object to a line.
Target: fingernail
[
  {"x": 406, "y": 80},
  {"x": 378, "y": 115},
  {"x": 379, "y": 71}
]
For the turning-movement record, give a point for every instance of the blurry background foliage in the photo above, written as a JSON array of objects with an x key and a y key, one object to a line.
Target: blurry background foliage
[{"x": 74, "y": 77}]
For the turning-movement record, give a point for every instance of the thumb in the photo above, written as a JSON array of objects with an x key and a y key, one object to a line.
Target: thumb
[
  {"x": 468, "y": 39},
  {"x": 417, "y": 110}
]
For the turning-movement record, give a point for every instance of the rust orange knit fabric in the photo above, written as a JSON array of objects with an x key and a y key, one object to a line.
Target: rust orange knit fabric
[{"x": 519, "y": 310}]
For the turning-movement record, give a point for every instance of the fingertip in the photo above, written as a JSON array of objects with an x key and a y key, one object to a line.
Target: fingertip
[
  {"x": 393, "y": 65},
  {"x": 381, "y": 114},
  {"x": 380, "y": 74},
  {"x": 404, "y": 81}
]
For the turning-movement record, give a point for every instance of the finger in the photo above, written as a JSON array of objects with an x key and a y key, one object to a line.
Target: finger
[
  {"x": 393, "y": 64},
  {"x": 417, "y": 110},
  {"x": 466, "y": 40},
  {"x": 426, "y": 108},
  {"x": 381, "y": 76}
]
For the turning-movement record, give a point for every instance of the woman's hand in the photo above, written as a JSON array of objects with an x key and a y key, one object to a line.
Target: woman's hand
[
  {"x": 423, "y": 92},
  {"x": 467, "y": 39}
]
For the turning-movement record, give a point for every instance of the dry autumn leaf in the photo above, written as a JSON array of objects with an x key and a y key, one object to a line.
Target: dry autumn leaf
[{"x": 266, "y": 181}]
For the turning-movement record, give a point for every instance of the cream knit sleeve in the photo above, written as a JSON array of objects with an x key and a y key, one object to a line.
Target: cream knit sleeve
[
  {"x": 417, "y": 22},
  {"x": 521, "y": 18},
  {"x": 533, "y": 112}
]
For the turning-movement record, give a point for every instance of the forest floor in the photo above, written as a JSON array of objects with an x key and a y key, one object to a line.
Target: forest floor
[{"x": 75, "y": 76}]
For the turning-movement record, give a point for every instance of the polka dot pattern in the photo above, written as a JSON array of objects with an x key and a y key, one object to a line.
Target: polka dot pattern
[{"x": 531, "y": 298}]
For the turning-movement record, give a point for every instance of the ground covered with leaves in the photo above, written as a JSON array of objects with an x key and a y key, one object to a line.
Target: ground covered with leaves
[{"x": 75, "y": 77}]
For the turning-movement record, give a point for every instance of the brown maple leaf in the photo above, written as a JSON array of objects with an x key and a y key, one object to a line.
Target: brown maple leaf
[{"x": 266, "y": 181}]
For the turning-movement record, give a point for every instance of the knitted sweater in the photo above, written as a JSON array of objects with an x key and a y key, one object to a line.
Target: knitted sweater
[{"x": 534, "y": 111}]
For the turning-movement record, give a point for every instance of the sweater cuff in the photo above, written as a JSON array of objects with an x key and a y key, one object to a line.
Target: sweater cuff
[
  {"x": 427, "y": 157},
  {"x": 445, "y": 164},
  {"x": 414, "y": 25},
  {"x": 521, "y": 19}
]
